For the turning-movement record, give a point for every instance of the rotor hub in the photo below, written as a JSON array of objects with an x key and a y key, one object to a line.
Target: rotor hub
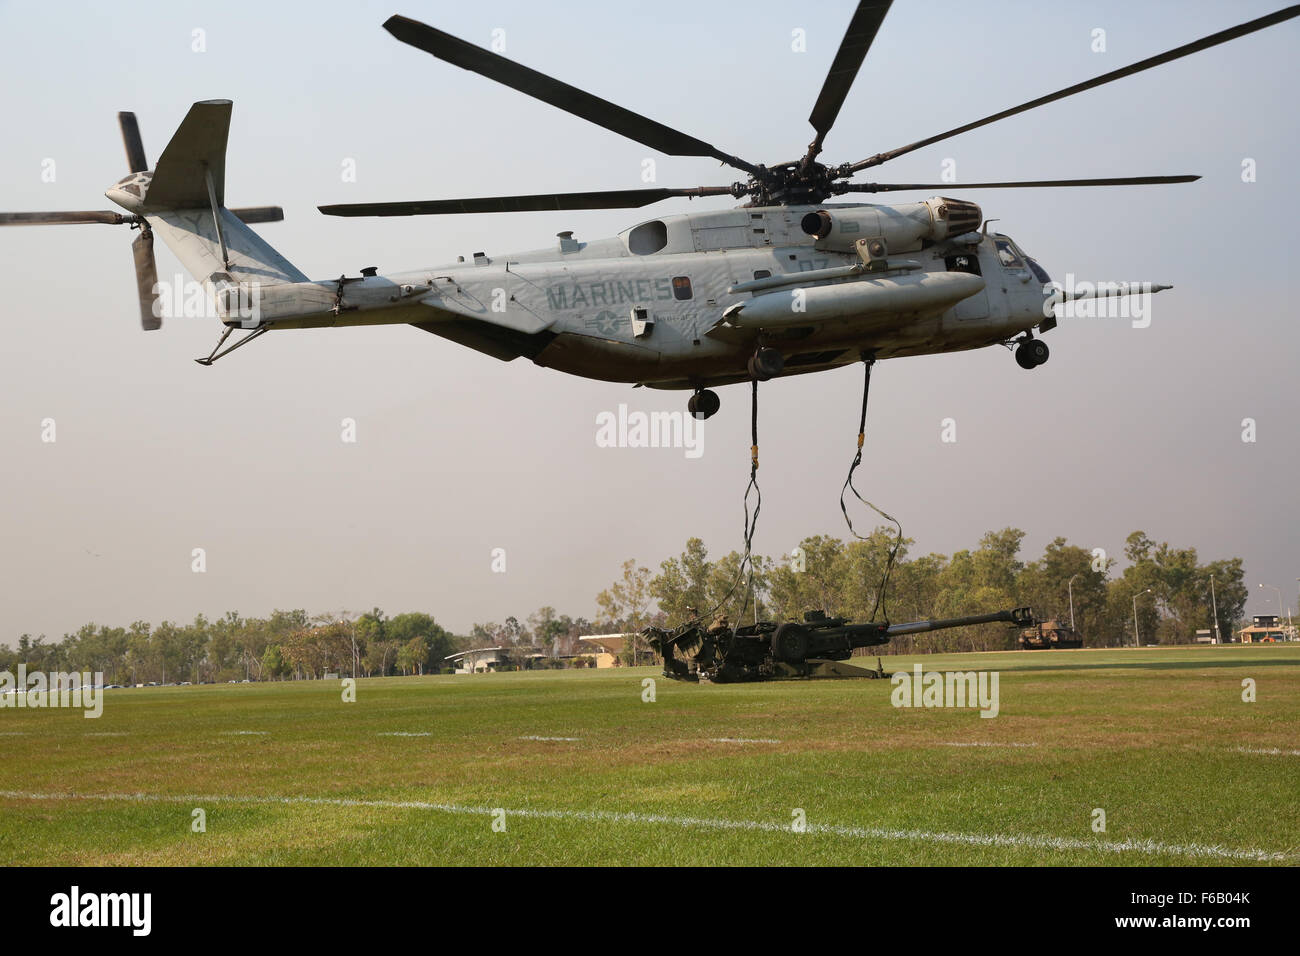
[{"x": 795, "y": 183}]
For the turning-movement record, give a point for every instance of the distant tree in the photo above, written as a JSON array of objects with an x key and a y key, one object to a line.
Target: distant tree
[
  {"x": 273, "y": 663},
  {"x": 371, "y": 626},
  {"x": 1045, "y": 586},
  {"x": 379, "y": 656},
  {"x": 683, "y": 583},
  {"x": 439, "y": 642},
  {"x": 546, "y": 627},
  {"x": 514, "y": 633},
  {"x": 413, "y": 656},
  {"x": 810, "y": 580},
  {"x": 626, "y": 603}
]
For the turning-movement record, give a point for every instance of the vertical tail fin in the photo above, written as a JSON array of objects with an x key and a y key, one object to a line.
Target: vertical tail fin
[{"x": 184, "y": 202}]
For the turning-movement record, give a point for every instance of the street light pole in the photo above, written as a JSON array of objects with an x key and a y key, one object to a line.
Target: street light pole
[
  {"x": 1215, "y": 604},
  {"x": 1137, "y": 640},
  {"x": 1279, "y": 599},
  {"x": 1070, "y": 588}
]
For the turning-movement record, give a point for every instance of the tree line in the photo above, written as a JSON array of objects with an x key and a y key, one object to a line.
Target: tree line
[
  {"x": 841, "y": 577},
  {"x": 844, "y": 578}
]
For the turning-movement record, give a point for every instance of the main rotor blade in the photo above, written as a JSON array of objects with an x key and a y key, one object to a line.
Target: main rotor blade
[
  {"x": 134, "y": 145},
  {"x": 62, "y": 218},
  {"x": 1026, "y": 184},
  {"x": 146, "y": 280},
  {"x": 844, "y": 69},
  {"x": 465, "y": 55},
  {"x": 252, "y": 214},
  {"x": 1214, "y": 39},
  {"x": 605, "y": 199}
]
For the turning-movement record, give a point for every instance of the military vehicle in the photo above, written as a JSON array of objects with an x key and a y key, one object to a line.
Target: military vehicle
[
  {"x": 1048, "y": 634},
  {"x": 814, "y": 648},
  {"x": 783, "y": 285}
]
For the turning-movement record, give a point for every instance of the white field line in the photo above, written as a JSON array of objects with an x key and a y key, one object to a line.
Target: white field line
[
  {"x": 986, "y": 743},
  {"x": 697, "y": 823},
  {"x": 1270, "y": 751},
  {"x": 108, "y": 733},
  {"x": 743, "y": 740},
  {"x": 531, "y": 737},
  {"x": 244, "y": 733},
  {"x": 405, "y": 733}
]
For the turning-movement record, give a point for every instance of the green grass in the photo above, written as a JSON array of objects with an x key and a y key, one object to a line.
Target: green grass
[{"x": 1155, "y": 737}]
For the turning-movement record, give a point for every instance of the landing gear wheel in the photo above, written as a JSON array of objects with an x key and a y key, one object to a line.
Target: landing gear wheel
[
  {"x": 704, "y": 404},
  {"x": 765, "y": 364},
  {"x": 790, "y": 643},
  {"x": 1032, "y": 353}
]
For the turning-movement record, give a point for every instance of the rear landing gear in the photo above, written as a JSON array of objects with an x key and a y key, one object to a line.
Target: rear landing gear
[
  {"x": 1032, "y": 353},
  {"x": 704, "y": 404}
]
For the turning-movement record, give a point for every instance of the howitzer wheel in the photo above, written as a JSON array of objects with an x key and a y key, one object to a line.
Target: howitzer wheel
[{"x": 790, "y": 643}]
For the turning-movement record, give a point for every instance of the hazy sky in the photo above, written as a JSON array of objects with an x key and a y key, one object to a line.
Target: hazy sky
[{"x": 458, "y": 453}]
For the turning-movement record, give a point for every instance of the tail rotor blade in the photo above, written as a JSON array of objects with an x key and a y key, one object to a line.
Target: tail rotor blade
[
  {"x": 146, "y": 278},
  {"x": 134, "y": 145},
  {"x": 61, "y": 218}
]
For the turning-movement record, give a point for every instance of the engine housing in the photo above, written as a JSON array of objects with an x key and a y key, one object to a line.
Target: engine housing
[{"x": 906, "y": 227}]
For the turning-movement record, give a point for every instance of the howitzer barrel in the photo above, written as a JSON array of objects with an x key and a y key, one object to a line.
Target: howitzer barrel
[
  {"x": 864, "y": 635},
  {"x": 1021, "y": 616}
]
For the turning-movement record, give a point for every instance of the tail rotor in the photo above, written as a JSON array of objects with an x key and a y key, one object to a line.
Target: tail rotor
[{"x": 146, "y": 268}]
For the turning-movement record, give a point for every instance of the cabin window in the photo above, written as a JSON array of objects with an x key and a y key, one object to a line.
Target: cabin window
[
  {"x": 763, "y": 274},
  {"x": 647, "y": 238},
  {"x": 682, "y": 287},
  {"x": 1007, "y": 255},
  {"x": 967, "y": 262}
]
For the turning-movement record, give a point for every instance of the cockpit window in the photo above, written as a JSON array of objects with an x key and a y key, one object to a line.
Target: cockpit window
[
  {"x": 1008, "y": 256},
  {"x": 647, "y": 238}
]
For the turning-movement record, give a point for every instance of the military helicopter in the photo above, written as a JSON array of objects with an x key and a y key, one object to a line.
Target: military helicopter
[{"x": 784, "y": 284}]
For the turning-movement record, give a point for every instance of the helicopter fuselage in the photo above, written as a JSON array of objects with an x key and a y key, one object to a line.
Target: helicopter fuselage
[{"x": 663, "y": 304}]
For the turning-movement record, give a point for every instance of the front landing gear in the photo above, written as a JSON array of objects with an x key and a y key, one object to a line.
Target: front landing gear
[
  {"x": 1032, "y": 353},
  {"x": 704, "y": 404}
]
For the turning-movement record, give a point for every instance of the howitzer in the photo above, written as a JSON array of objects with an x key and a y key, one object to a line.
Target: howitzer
[{"x": 789, "y": 650}]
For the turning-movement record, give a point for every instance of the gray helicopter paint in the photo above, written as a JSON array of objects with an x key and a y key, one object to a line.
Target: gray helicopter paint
[
  {"x": 589, "y": 299},
  {"x": 645, "y": 306},
  {"x": 585, "y": 298}
]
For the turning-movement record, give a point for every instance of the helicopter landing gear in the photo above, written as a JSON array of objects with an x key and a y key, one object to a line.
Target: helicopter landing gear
[
  {"x": 1032, "y": 353},
  {"x": 766, "y": 363},
  {"x": 704, "y": 404}
]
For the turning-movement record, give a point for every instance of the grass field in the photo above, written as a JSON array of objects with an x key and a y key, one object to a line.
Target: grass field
[{"x": 1160, "y": 739}]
